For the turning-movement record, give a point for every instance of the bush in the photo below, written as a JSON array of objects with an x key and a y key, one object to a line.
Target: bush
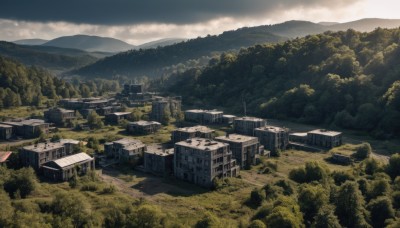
[
  {"x": 109, "y": 190},
  {"x": 364, "y": 151},
  {"x": 91, "y": 186},
  {"x": 256, "y": 197}
]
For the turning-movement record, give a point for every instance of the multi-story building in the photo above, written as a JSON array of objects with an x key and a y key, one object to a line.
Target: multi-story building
[
  {"x": 116, "y": 117},
  {"x": 161, "y": 107},
  {"x": 324, "y": 138},
  {"x": 132, "y": 89},
  {"x": 199, "y": 161},
  {"x": 143, "y": 127},
  {"x": 245, "y": 149},
  {"x": 38, "y": 154},
  {"x": 198, "y": 131},
  {"x": 273, "y": 138},
  {"x": 204, "y": 116},
  {"x": 159, "y": 160},
  {"x": 125, "y": 149},
  {"x": 59, "y": 116},
  {"x": 29, "y": 128},
  {"x": 246, "y": 125},
  {"x": 85, "y": 103},
  {"x": 64, "y": 168},
  {"x": 228, "y": 119}
]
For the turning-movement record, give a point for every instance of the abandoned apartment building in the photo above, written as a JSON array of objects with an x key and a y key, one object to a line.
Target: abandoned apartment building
[
  {"x": 117, "y": 117},
  {"x": 29, "y": 128},
  {"x": 143, "y": 127},
  {"x": 324, "y": 138},
  {"x": 159, "y": 160},
  {"x": 200, "y": 160},
  {"x": 246, "y": 125},
  {"x": 125, "y": 150},
  {"x": 273, "y": 138},
  {"x": 198, "y": 131},
  {"x": 39, "y": 154},
  {"x": 64, "y": 168},
  {"x": 165, "y": 107},
  {"x": 132, "y": 89},
  {"x": 59, "y": 116},
  {"x": 204, "y": 116},
  {"x": 245, "y": 149},
  {"x": 85, "y": 103}
]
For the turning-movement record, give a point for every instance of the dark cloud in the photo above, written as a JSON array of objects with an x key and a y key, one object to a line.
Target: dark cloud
[{"x": 121, "y": 12}]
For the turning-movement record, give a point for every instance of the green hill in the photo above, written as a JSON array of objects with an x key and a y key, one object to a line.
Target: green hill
[{"x": 346, "y": 79}]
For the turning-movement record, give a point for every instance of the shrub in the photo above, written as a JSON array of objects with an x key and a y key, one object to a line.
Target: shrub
[{"x": 364, "y": 151}]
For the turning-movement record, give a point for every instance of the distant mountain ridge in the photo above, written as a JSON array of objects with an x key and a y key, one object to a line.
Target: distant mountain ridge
[
  {"x": 30, "y": 42},
  {"x": 90, "y": 43}
]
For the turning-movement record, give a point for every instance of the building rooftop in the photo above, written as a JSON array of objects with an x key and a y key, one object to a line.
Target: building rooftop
[
  {"x": 202, "y": 144},
  {"x": 299, "y": 134},
  {"x": 70, "y": 141},
  {"x": 236, "y": 138},
  {"x": 213, "y": 112},
  {"x": 229, "y": 116},
  {"x": 144, "y": 123},
  {"x": 159, "y": 149},
  {"x": 195, "y": 110},
  {"x": 5, "y": 126},
  {"x": 42, "y": 147},
  {"x": 72, "y": 159},
  {"x": 120, "y": 113},
  {"x": 325, "y": 132},
  {"x": 24, "y": 122},
  {"x": 4, "y": 155},
  {"x": 198, "y": 128},
  {"x": 127, "y": 141},
  {"x": 62, "y": 110},
  {"x": 271, "y": 129},
  {"x": 248, "y": 118}
]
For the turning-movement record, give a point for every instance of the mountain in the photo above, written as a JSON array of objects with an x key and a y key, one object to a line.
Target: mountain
[
  {"x": 90, "y": 43},
  {"x": 327, "y": 23},
  {"x": 160, "y": 43},
  {"x": 293, "y": 29},
  {"x": 344, "y": 79},
  {"x": 48, "y": 57},
  {"x": 30, "y": 42},
  {"x": 153, "y": 62},
  {"x": 366, "y": 25}
]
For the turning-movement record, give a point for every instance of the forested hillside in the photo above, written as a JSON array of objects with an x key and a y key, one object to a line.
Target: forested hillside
[
  {"x": 151, "y": 62},
  {"x": 348, "y": 79},
  {"x": 49, "y": 57},
  {"x": 20, "y": 85}
]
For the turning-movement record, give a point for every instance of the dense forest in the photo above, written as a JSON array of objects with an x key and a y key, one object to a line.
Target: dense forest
[
  {"x": 345, "y": 79},
  {"x": 150, "y": 62},
  {"x": 21, "y": 85}
]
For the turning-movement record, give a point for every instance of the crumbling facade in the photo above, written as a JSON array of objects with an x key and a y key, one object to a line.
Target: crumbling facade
[
  {"x": 125, "y": 150},
  {"x": 159, "y": 160},
  {"x": 198, "y": 131},
  {"x": 199, "y": 161},
  {"x": 324, "y": 138},
  {"x": 245, "y": 149},
  {"x": 246, "y": 125},
  {"x": 163, "y": 108},
  {"x": 117, "y": 117},
  {"x": 204, "y": 116},
  {"x": 143, "y": 127},
  {"x": 273, "y": 138},
  {"x": 29, "y": 128},
  {"x": 59, "y": 116}
]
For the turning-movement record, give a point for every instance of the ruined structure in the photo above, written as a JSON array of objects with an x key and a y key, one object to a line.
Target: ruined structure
[
  {"x": 125, "y": 150},
  {"x": 64, "y": 168},
  {"x": 198, "y": 131},
  {"x": 143, "y": 127},
  {"x": 59, "y": 116},
  {"x": 199, "y": 161},
  {"x": 116, "y": 117},
  {"x": 273, "y": 138},
  {"x": 324, "y": 138},
  {"x": 203, "y": 116},
  {"x": 246, "y": 125},
  {"x": 29, "y": 128},
  {"x": 159, "y": 160},
  {"x": 244, "y": 148},
  {"x": 163, "y": 108}
]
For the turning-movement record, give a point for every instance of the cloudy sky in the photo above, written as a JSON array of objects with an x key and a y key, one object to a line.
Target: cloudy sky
[{"x": 139, "y": 21}]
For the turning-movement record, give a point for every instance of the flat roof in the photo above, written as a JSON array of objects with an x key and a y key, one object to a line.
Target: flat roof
[
  {"x": 144, "y": 123},
  {"x": 5, "y": 126},
  {"x": 228, "y": 116},
  {"x": 119, "y": 113},
  {"x": 126, "y": 141},
  {"x": 72, "y": 159},
  {"x": 325, "y": 132},
  {"x": 42, "y": 147},
  {"x": 24, "y": 122},
  {"x": 202, "y": 144},
  {"x": 248, "y": 118},
  {"x": 62, "y": 110},
  {"x": 235, "y": 138},
  {"x": 198, "y": 128},
  {"x": 299, "y": 134},
  {"x": 159, "y": 149},
  {"x": 195, "y": 110},
  {"x": 70, "y": 141},
  {"x": 271, "y": 129}
]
